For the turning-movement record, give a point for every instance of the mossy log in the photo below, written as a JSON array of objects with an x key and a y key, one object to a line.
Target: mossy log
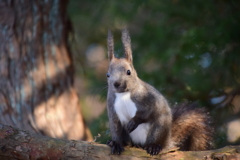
[{"x": 19, "y": 144}]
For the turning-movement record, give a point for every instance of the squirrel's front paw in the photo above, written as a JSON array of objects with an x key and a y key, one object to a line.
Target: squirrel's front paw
[
  {"x": 153, "y": 149},
  {"x": 115, "y": 147},
  {"x": 131, "y": 125}
]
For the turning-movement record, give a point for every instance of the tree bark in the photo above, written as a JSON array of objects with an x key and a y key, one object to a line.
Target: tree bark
[
  {"x": 36, "y": 69},
  {"x": 18, "y": 144}
]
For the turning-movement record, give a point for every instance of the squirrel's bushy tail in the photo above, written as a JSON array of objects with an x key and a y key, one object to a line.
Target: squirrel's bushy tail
[{"x": 191, "y": 128}]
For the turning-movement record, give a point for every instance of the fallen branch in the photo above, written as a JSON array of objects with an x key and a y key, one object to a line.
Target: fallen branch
[{"x": 18, "y": 144}]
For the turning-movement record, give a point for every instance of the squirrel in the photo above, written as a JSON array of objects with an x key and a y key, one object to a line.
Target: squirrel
[{"x": 139, "y": 114}]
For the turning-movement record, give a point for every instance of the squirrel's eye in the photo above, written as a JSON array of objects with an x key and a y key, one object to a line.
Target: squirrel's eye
[
  {"x": 108, "y": 75},
  {"x": 128, "y": 72}
]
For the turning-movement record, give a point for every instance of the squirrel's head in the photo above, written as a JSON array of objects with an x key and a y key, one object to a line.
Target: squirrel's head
[{"x": 121, "y": 75}]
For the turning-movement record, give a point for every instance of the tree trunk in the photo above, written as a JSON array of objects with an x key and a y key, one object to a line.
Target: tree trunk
[
  {"x": 36, "y": 69},
  {"x": 17, "y": 144}
]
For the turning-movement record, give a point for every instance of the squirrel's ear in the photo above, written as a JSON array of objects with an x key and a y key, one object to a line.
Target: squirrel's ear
[
  {"x": 126, "y": 40},
  {"x": 110, "y": 46}
]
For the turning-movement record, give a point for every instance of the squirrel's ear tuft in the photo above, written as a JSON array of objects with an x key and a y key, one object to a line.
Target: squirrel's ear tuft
[
  {"x": 110, "y": 45},
  {"x": 126, "y": 40}
]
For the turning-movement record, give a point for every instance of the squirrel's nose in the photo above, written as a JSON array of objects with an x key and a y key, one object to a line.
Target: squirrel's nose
[{"x": 117, "y": 84}]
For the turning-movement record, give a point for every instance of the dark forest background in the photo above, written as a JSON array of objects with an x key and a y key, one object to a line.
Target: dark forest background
[{"x": 188, "y": 50}]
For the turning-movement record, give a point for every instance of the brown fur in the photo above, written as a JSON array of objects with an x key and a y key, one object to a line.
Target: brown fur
[
  {"x": 110, "y": 45},
  {"x": 127, "y": 45},
  {"x": 191, "y": 128}
]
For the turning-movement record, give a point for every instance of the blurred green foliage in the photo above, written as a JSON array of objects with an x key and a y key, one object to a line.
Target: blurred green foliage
[{"x": 189, "y": 50}]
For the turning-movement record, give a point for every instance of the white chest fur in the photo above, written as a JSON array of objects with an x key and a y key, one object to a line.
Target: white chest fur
[{"x": 126, "y": 109}]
